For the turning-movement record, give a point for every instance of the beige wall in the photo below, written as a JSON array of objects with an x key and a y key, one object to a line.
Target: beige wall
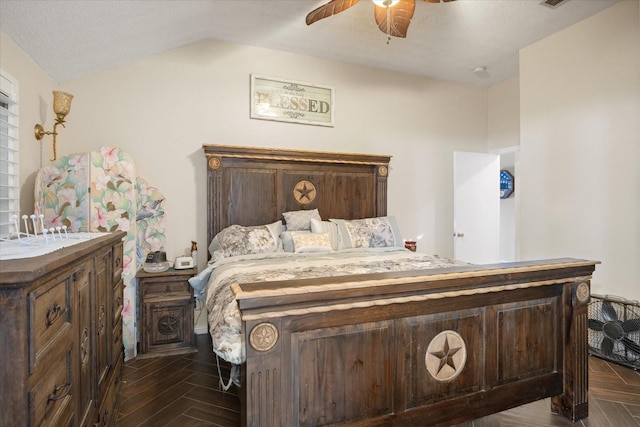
[
  {"x": 578, "y": 178},
  {"x": 163, "y": 108},
  {"x": 34, "y": 95},
  {"x": 580, "y": 147}
]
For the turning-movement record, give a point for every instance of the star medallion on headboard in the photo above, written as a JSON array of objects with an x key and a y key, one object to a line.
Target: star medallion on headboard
[{"x": 304, "y": 192}]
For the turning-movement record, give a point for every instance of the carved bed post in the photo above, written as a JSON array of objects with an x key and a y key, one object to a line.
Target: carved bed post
[
  {"x": 262, "y": 378},
  {"x": 381, "y": 190},
  {"x": 573, "y": 403},
  {"x": 214, "y": 177}
]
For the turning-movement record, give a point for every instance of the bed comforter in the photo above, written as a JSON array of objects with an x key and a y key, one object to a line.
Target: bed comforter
[{"x": 213, "y": 285}]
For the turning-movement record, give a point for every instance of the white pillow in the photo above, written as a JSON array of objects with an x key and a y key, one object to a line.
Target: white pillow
[
  {"x": 304, "y": 242},
  {"x": 326, "y": 227}
]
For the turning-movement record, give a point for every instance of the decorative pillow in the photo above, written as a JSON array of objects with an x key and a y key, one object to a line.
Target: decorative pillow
[
  {"x": 287, "y": 240},
  {"x": 300, "y": 220},
  {"x": 304, "y": 242},
  {"x": 238, "y": 240},
  {"x": 369, "y": 232},
  {"x": 326, "y": 227}
]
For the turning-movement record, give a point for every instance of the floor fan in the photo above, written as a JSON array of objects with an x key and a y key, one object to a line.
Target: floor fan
[{"x": 614, "y": 330}]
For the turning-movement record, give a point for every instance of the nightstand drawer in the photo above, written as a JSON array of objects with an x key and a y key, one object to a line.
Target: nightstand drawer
[{"x": 158, "y": 289}]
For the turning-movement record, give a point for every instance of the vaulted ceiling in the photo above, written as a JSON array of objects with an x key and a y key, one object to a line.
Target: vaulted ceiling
[{"x": 467, "y": 41}]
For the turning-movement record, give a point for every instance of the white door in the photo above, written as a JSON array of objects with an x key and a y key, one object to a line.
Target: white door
[{"x": 476, "y": 207}]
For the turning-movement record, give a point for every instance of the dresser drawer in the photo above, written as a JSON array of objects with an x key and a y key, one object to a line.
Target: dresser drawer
[
  {"x": 117, "y": 347},
  {"x": 117, "y": 262},
  {"x": 49, "y": 318},
  {"x": 108, "y": 411},
  {"x": 51, "y": 398},
  {"x": 118, "y": 302}
]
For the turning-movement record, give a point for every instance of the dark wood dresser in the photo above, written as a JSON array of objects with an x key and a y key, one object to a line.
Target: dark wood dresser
[{"x": 61, "y": 335}]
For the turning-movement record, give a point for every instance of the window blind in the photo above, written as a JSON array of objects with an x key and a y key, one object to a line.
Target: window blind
[{"x": 9, "y": 154}]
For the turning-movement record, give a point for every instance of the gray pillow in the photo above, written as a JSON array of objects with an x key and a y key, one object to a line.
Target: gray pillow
[
  {"x": 369, "y": 232},
  {"x": 300, "y": 220}
]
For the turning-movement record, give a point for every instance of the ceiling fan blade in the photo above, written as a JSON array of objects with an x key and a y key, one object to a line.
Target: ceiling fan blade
[
  {"x": 400, "y": 15},
  {"x": 329, "y": 9},
  {"x": 595, "y": 325},
  {"x": 608, "y": 312},
  {"x": 438, "y": 1},
  {"x": 631, "y": 325}
]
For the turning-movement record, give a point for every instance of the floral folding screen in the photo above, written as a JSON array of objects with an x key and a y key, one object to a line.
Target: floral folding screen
[{"x": 99, "y": 191}]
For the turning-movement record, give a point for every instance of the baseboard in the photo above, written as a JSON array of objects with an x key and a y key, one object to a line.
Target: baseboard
[{"x": 200, "y": 329}]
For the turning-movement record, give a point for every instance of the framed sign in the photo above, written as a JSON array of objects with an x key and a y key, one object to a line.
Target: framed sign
[{"x": 291, "y": 101}]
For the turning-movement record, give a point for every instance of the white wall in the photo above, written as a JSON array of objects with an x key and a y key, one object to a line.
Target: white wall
[
  {"x": 504, "y": 115},
  {"x": 503, "y": 137},
  {"x": 580, "y": 147}
]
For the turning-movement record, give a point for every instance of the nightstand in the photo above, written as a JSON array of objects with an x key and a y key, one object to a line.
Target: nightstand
[{"x": 166, "y": 312}]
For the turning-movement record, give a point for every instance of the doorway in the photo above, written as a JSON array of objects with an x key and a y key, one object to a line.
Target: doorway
[{"x": 484, "y": 224}]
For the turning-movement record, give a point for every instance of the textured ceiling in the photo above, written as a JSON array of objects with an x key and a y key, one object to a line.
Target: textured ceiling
[{"x": 70, "y": 39}]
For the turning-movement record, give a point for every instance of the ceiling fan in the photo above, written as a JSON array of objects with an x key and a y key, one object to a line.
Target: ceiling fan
[{"x": 392, "y": 16}]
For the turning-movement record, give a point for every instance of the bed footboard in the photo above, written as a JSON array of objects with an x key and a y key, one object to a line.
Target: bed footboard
[{"x": 435, "y": 347}]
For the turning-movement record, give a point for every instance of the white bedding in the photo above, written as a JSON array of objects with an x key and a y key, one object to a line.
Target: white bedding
[{"x": 212, "y": 285}]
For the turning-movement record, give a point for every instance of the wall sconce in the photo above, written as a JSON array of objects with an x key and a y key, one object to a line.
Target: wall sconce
[{"x": 61, "y": 106}]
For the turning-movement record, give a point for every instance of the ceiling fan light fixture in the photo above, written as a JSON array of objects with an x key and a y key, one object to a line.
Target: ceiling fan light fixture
[
  {"x": 385, "y": 3},
  {"x": 392, "y": 16}
]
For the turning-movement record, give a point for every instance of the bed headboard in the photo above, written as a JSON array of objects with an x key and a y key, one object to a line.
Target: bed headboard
[{"x": 254, "y": 186}]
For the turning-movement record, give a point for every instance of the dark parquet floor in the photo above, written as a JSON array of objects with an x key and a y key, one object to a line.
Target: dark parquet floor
[{"x": 182, "y": 391}]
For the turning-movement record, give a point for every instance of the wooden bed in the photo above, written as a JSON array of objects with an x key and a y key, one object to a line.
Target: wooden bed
[{"x": 430, "y": 347}]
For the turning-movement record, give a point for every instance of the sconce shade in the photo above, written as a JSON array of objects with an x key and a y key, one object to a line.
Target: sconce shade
[
  {"x": 61, "y": 103},
  {"x": 61, "y": 106}
]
